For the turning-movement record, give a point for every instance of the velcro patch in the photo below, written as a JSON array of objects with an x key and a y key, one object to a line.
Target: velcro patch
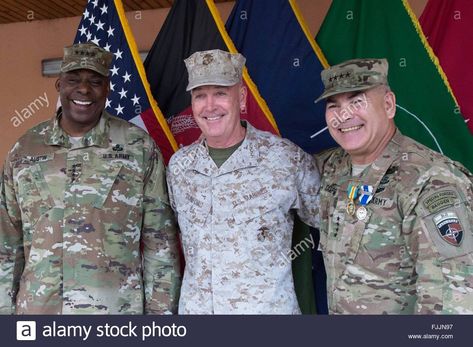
[
  {"x": 35, "y": 159},
  {"x": 331, "y": 189},
  {"x": 449, "y": 227},
  {"x": 114, "y": 155},
  {"x": 383, "y": 202},
  {"x": 440, "y": 200}
]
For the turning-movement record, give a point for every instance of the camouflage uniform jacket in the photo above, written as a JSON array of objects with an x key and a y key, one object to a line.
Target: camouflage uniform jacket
[
  {"x": 236, "y": 223},
  {"x": 73, "y": 219},
  {"x": 413, "y": 252}
]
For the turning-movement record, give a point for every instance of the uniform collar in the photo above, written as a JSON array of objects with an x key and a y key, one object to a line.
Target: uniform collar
[
  {"x": 247, "y": 155},
  {"x": 97, "y": 136},
  {"x": 390, "y": 153}
]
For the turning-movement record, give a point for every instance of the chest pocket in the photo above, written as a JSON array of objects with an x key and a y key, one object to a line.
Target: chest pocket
[
  {"x": 120, "y": 191},
  {"x": 112, "y": 185},
  {"x": 192, "y": 201},
  {"x": 260, "y": 216},
  {"x": 267, "y": 237},
  {"x": 34, "y": 195},
  {"x": 348, "y": 237},
  {"x": 381, "y": 238},
  {"x": 193, "y": 204}
]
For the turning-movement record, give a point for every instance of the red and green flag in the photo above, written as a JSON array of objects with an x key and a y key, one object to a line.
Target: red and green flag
[
  {"x": 448, "y": 26},
  {"x": 426, "y": 107}
]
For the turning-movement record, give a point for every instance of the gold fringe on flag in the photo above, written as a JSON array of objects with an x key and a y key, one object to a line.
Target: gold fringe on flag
[
  {"x": 429, "y": 49},
  {"x": 139, "y": 65},
  {"x": 246, "y": 77},
  {"x": 305, "y": 29}
]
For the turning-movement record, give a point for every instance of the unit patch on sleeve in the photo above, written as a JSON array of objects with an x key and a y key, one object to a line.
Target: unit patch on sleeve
[{"x": 449, "y": 227}]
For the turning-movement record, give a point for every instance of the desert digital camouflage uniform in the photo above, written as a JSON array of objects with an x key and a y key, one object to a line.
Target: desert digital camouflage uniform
[
  {"x": 236, "y": 223},
  {"x": 73, "y": 218},
  {"x": 413, "y": 253}
]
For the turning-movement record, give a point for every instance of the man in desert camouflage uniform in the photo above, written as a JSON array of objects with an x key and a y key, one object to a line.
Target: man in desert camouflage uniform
[
  {"x": 85, "y": 226},
  {"x": 233, "y": 192},
  {"x": 396, "y": 217}
]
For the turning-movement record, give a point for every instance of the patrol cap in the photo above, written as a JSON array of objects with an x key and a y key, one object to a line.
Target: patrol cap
[
  {"x": 214, "y": 67},
  {"x": 353, "y": 75},
  {"x": 86, "y": 56}
]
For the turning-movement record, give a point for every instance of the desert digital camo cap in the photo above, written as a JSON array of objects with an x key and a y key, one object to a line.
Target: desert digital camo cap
[
  {"x": 214, "y": 67},
  {"x": 86, "y": 56},
  {"x": 353, "y": 75}
]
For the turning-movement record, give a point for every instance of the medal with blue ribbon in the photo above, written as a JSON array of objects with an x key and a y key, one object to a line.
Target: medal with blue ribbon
[
  {"x": 366, "y": 194},
  {"x": 352, "y": 193}
]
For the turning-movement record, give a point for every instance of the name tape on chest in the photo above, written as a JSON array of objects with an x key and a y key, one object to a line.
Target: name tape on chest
[
  {"x": 33, "y": 159},
  {"x": 114, "y": 155}
]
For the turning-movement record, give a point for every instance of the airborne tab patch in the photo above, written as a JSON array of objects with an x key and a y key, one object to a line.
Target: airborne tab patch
[{"x": 449, "y": 227}]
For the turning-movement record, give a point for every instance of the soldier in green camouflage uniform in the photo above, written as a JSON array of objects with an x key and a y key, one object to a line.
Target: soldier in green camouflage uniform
[
  {"x": 396, "y": 217},
  {"x": 234, "y": 192},
  {"x": 85, "y": 226}
]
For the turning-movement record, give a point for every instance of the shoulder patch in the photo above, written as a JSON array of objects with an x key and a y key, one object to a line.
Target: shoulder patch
[
  {"x": 449, "y": 227},
  {"x": 440, "y": 200},
  {"x": 450, "y": 231}
]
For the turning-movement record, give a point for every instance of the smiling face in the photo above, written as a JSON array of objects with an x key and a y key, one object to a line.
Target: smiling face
[
  {"x": 362, "y": 123},
  {"x": 217, "y": 113},
  {"x": 83, "y": 94}
]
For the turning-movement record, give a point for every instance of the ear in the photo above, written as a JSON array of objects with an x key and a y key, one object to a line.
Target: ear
[
  {"x": 108, "y": 84},
  {"x": 58, "y": 84},
  {"x": 390, "y": 104},
  {"x": 243, "y": 95}
]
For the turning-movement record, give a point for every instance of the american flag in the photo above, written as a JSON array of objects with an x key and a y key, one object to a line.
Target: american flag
[{"x": 104, "y": 23}]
